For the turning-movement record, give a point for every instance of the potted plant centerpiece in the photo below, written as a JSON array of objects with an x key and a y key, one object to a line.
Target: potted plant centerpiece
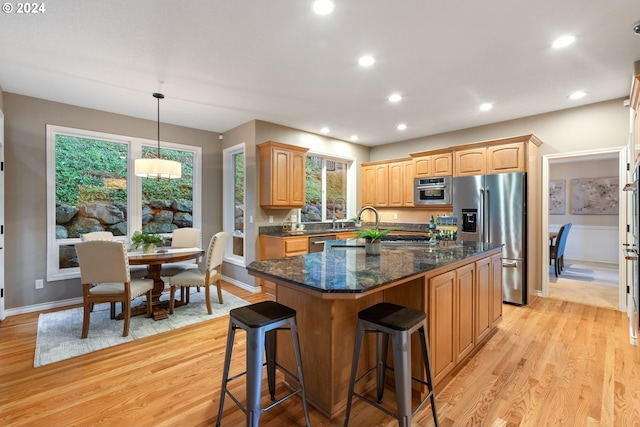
[
  {"x": 146, "y": 241},
  {"x": 372, "y": 239}
]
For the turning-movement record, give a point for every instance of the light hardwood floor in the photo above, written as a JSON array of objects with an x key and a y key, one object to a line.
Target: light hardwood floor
[{"x": 554, "y": 363}]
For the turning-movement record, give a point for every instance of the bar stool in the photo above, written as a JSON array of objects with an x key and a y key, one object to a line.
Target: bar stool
[
  {"x": 399, "y": 322},
  {"x": 261, "y": 321}
]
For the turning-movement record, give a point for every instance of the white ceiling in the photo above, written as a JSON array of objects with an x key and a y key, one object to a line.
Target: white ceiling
[{"x": 222, "y": 63}]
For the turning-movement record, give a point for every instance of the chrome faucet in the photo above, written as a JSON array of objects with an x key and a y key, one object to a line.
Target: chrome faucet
[
  {"x": 344, "y": 211},
  {"x": 371, "y": 208}
]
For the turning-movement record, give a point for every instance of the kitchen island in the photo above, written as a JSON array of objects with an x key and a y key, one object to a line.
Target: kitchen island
[{"x": 459, "y": 287}]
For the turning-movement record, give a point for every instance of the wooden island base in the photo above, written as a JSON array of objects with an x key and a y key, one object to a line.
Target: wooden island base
[{"x": 463, "y": 302}]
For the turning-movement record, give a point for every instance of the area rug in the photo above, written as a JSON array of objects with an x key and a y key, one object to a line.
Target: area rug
[{"x": 59, "y": 332}]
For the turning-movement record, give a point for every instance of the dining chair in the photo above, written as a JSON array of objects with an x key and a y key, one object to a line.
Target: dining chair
[
  {"x": 105, "y": 277},
  {"x": 97, "y": 235},
  {"x": 136, "y": 271},
  {"x": 182, "y": 238},
  {"x": 212, "y": 274},
  {"x": 557, "y": 251}
]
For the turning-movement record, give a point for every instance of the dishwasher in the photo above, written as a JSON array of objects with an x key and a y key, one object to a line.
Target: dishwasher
[{"x": 316, "y": 244}]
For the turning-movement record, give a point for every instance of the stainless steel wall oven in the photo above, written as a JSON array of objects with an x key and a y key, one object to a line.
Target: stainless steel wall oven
[{"x": 432, "y": 191}]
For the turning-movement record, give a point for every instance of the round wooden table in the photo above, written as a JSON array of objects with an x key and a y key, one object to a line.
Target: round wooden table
[{"x": 154, "y": 262}]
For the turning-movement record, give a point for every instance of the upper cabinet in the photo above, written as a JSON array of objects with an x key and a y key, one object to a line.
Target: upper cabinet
[
  {"x": 426, "y": 166},
  {"x": 282, "y": 175},
  {"x": 387, "y": 184},
  {"x": 490, "y": 159}
]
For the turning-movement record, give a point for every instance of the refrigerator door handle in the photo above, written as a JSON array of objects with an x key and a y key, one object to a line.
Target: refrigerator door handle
[
  {"x": 509, "y": 264},
  {"x": 481, "y": 217},
  {"x": 488, "y": 216}
]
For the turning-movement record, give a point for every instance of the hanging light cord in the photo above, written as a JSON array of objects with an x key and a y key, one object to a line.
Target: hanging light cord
[{"x": 158, "y": 96}]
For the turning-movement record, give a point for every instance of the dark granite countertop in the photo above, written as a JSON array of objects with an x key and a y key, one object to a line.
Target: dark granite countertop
[{"x": 344, "y": 267}]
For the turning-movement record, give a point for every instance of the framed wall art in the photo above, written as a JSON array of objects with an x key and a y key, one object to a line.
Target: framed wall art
[
  {"x": 594, "y": 196},
  {"x": 557, "y": 196}
]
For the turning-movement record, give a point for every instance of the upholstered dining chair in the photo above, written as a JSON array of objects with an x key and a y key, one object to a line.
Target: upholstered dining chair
[
  {"x": 182, "y": 238},
  {"x": 97, "y": 235},
  {"x": 136, "y": 271},
  {"x": 212, "y": 274},
  {"x": 557, "y": 250},
  {"x": 104, "y": 274}
]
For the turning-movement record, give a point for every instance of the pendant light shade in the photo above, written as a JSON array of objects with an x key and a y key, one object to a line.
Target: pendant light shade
[{"x": 156, "y": 167}]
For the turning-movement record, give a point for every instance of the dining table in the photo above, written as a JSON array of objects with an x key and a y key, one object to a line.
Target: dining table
[{"x": 154, "y": 261}]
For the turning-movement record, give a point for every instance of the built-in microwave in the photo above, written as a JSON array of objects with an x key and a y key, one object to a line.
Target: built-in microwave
[{"x": 432, "y": 191}]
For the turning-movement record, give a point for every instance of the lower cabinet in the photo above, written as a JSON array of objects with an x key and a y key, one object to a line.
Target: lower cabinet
[
  {"x": 451, "y": 334},
  {"x": 464, "y": 306},
  {"x": 488, "y": 295}
]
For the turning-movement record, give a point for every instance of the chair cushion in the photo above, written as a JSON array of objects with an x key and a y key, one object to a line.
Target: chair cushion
[
  {"x": 177, "y": 267},
  {"x": 192, "y": 277},
  {"x": 138, "y": 287}
]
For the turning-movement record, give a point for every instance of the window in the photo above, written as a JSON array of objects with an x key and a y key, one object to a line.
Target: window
[
  {"x": 329, "y": 189},
  {"x": 91, "y": 187},
  {"x": 234, "y": 203}
]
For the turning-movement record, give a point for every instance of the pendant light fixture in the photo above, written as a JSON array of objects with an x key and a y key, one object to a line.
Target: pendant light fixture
[{"x": 157, "y": 167}]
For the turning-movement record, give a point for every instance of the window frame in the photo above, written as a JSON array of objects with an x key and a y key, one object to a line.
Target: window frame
[
  {"x": 228, "y": 203},
  {"x": 134, "y": 190}
]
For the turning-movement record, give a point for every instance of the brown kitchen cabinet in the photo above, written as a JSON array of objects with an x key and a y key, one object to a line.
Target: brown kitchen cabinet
[
  {"x": 388, "y": 184},
  {"x": 488, "y": 295},
  {"x": 282, "y": 175},
  {"x": 426, "y": 166},
  {"x": 451, "y": 319},
  {"x": 278, "y": 247},
  {"x": 368, "y": 185},
  {"x": 491, "y": 159},
  {"x": 400, "y": 190},
  {"x": 375, "y": 184}
]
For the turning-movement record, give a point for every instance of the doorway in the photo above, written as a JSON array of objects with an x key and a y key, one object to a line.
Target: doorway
[{"x": 615, "y": 232}]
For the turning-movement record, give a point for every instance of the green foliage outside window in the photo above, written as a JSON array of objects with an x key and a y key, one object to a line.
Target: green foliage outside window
[
  {"x": 85, "y": 167},
  {"x": 82, "y": 165},
  {"x": 239, "y": 178}
]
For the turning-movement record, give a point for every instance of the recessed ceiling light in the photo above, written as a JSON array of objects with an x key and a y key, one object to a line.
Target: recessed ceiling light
[
  {"x": 323, "y": 7},
  {"x": 395, "y": 97},
  {"x": 366, "y": 61},
  {"x": 577, "y": 95},
  {"x": 486, "y": 106},
  {"x": 354, "y": 137},
  {"x": 325, "y": 130},
  {"x": 563, "y": 41},
  {"x": 402, "y": 126}
]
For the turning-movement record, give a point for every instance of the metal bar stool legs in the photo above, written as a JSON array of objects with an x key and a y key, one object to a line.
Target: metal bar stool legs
[
  {"x": 399, "y": 323},
  {"x": 261, "y": 322}
]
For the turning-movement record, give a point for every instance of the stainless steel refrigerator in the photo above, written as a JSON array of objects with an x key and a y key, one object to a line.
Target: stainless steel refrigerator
[{"x": 492, "y": 209}]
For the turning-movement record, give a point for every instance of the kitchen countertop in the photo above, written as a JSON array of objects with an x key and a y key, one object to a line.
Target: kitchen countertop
[{"x": 344, "y": 267}]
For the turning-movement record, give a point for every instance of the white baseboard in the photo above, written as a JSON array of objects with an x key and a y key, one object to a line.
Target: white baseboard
[
  {"x": 74, "y": 301},
  {"x": 42, "y": 307}
]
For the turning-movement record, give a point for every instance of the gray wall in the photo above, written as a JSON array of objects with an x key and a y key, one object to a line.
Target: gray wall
[{"x": 25, "y": 185}]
